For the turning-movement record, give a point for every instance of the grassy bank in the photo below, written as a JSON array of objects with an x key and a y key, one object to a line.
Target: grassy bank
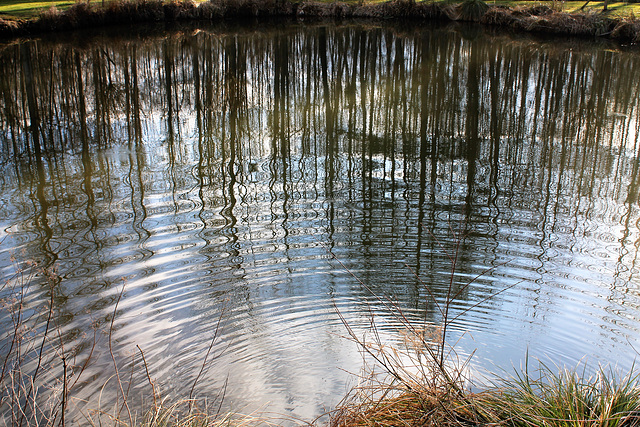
[
  {"x": 549, "y": 399},
  {"x": 423, "y": 382},
  {"x": 562, "y": 19}
]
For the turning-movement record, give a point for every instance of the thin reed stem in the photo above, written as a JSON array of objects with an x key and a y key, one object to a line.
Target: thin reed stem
[
  {"x": 204, "y": 361},
  {"x": 113, "y": 358},
  {"x": 32, "y": 382}
]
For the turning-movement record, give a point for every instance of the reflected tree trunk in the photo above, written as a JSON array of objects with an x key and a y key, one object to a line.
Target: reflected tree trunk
[
  {"x": 472, "y": 138},
  {"x": 42, "y": 220}
]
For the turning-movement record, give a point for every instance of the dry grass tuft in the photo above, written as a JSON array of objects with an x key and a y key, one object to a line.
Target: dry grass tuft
[
  {"x": 407, "y": 409},
  {"x": 138, "y": 11},
  {"x": 500, "y": 16},
  {"x": 174, "y": 415},
  {"x": 320, "y": 9},
  {"x": 250, "y": 8},
  {"x": 10, "y": 27},
  {"x": 473, "y": 10},
  {"x": 627, "y": 29},
  {"x": 409, "y": 384}
]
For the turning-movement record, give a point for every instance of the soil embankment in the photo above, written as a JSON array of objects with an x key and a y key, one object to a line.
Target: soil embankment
[{"x": 539, "y": 19}]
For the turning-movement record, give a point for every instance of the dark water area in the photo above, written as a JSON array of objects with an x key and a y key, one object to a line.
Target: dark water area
[{"x": 243, "y": 177}]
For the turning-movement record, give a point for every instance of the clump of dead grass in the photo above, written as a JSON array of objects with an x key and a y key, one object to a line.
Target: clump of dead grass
[
  {"x": 473, "y": 10},
  {"x": 412, "y": 388},
  {"x": 11, "y": 26},
  {"x": 421, "y": 380},
  {"x": 585, "y": 24},
  {"x": 627, "y": 29}
]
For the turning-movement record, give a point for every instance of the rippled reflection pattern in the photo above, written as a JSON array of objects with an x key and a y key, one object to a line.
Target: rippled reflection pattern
[{"x": 211, "y": 172}]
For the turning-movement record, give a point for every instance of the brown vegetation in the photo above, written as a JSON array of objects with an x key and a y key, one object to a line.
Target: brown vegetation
[{"x": 541, "y": 19}]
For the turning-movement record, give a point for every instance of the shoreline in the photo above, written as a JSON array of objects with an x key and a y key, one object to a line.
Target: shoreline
[{"x": 528, "y": 19}]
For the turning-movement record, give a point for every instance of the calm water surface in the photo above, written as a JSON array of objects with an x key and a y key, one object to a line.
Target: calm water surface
[{"x": 213, "y": 174}]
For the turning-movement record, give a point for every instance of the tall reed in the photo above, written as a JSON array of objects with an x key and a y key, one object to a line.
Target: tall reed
[
  {"x": 424, "y": 379},
  {"x": 40, "y": 370},
  {"x": 34, "y": 350}
]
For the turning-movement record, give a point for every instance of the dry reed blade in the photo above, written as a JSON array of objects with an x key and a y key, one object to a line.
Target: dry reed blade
[{"x": 115, "y": 364}]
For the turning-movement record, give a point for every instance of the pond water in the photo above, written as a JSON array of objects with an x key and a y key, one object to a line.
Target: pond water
[{"x": 254, "y": 183}]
